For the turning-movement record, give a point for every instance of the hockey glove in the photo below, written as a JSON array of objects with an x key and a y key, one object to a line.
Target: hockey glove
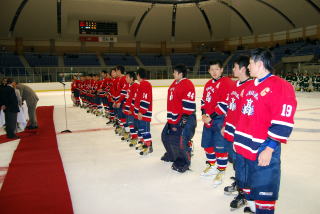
[
  {"x": 183, "y": 120},
  {"x": 213, "y": 115}
]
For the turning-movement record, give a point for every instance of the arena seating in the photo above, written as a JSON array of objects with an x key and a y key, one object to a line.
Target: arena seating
[
  {"x": 77, "y": 60},
  {"x": 152, "y": 60},
  {"x": 187, "y": 59},
  {"x": 119, "y": 59},
  {"x": 41, "y": 60},
  {"x": 207, "y": 57},
  {"x": 10, "y": 64},
  {"x": 235, "y": 55}
]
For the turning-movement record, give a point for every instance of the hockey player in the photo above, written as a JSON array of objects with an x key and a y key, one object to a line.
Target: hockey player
[
  {"x": 143, "y": 111},
  {"x": 127, "y": 107},
  {"x": 75, "y": 87},
  {"x": 120, "y": 94},
  {"x": 213, "y": 108},
  {"x": 111, "y": 95},
  {"x": 181, "y": 120},
  {"x": 241, "y": 72},
  {"x": 266, "y": 121},
  {"x": 94, "y": 93},
  {"x": 82, "y": 91},
  {"x": 102, "y": 92}
]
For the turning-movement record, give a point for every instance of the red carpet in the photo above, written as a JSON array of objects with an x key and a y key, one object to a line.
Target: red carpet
[
  {"x": 36, "y": 182},
  {"x": 26, "y": 133}
]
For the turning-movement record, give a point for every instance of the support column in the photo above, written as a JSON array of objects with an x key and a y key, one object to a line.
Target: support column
[
  {"x": 19, "y": 45},
  {"x": 52, "y": 45},
  {"x": 138, "y": 47},
  {"x": 163, "y": 46}
]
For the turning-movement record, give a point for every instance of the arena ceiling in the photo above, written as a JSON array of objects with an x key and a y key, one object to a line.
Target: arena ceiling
[{"x": 156, "y": 20}]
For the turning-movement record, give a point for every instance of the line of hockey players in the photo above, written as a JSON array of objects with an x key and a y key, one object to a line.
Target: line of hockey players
[
  {"x": 244, "y": 122},
  {"x": 304, "y": 82},
  {"x": 118, "y": 97}
]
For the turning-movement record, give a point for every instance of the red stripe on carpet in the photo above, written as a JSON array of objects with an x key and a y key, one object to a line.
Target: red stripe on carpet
[{"x": 35, "y": 182}]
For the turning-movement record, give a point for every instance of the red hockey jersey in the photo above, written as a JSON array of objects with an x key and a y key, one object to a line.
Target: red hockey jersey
[
  {"x": 132, "y": 89},
  {"x": 267, "y": 111},
  {"x": 214, "y": 96},
  {"x": 75, "y": 85},
  {"x": 180, "y": 100},
  {"x": 121, "y": 89},
  {"x": 103, "y": 85},
  {"x": 143, "y": 101},
  {"x": 114, "y": 89},
  {"x": 233, "y": 101}
]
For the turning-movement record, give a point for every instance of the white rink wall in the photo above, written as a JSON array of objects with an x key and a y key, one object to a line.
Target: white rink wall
[{"x": 56, "y": 86}]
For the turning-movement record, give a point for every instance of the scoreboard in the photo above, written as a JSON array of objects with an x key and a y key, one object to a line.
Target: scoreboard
[{"x": 98, "y": 28}]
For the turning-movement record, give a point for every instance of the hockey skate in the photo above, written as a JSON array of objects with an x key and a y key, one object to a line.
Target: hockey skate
[
  {"x": 229, "y": 190},
  {"x": 98, "y": 113},
  {"x": 238, "y": 201},
  {"x": 139, "y": 145},
  {"x": 133, "y": 142},
  {"x": 219, "y": 178},
  {"x": 126, "y": 136},
  {"x": 250, "y": 208},
  {"x": 209, "y": 170},
  {"x": 118, "y": 130},
  {"x": 146, "y": 150}
]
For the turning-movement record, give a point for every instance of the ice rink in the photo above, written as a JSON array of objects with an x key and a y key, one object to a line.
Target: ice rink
[{"x": 106, "y": 176}]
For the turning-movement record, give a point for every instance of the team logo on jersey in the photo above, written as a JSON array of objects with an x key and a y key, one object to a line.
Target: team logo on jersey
[
  {"x": 233, "y": 105},
  {"x": 241, "y": 94},
  {"x": 265, "y": 91},
  {"x": 253, "y": 94},
  {"x": 248, "y": 108}
]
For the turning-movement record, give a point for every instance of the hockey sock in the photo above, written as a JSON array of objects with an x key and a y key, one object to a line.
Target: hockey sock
[
  {"x": 133, "y": 133},
  {"x": 246, "y": 192},
  {"x": 222, "y": 161},
  {"x": 211, "y": 156},
  {"x": 265, "y": 207},
  {"x": 147, "y": 139},
  {"x": 122, "y": 122}
]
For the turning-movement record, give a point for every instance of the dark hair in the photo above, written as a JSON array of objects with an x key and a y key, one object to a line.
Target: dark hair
[
  {"x": 243, "y": 61},
  {"x": 103, "y": 71},
  {"x": 215, "y": 62},
  {"x": 263, "y": 55},
  {"x": 142, "y": 73},
  {"x": 10, "y": 80},
  {"x": 132, "y": 75},
  {"x": 181, "y": 68},
  {"x": 120, "y": 68}
]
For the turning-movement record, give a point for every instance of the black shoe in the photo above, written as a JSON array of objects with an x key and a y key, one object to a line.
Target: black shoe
[
  {"x": 31, "y": 127},
  {"x": 13, "y": 137}
]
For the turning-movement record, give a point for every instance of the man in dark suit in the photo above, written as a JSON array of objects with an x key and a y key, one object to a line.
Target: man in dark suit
[{"x": 9, "y": 103}]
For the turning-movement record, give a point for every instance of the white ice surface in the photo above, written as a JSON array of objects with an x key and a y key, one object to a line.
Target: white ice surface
[{"x": 106, "y": 176}]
